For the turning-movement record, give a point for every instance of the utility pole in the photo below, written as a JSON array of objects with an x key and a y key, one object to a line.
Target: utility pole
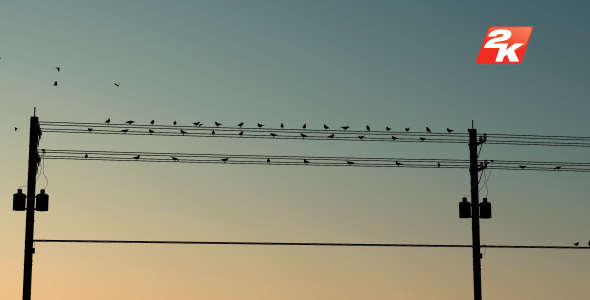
[
  {"x": 30, "y": 219},
  {"x": 474, "y": 170}
]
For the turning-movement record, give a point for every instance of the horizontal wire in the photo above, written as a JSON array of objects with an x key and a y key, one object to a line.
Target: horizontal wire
[{"x": 302, "y": 244}]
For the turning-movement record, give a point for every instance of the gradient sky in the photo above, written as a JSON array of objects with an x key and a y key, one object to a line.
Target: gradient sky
[{"x": 381, "y": 63}]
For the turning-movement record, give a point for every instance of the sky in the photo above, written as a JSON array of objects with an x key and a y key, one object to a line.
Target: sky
[{"x": 356, "y": 63}]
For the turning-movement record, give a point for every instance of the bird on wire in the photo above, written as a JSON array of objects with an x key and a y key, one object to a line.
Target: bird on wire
[
  {"x": 58, "y": 68},
  {"x": 117, "y": 84},
  {"x": 345, "y": 127},
  {"x": 282, "y": 126},
  {"x": 393, "y": 137},
  {"x": 588, "y": 243},
  {"x": 450, "y": 130},
  {"x": 438, "y": 165},
  {"x": 15, "y": 129},
  {"x": 218, "y": 124},
  {"x": 108, "y": 121},
  {"x": 125, "y": 130},
  {"x": 398, "y": 163},
  {"x": 86, "y": 156},
  {"x": 224, "y": 159},
  {"x": 576, "y": 244},
  {"x": 331, "y": 136},
  {"x": 183, "y": 132},
  {"x": 522, "y": 167},
  {"x": 130, "y": 122},
  {"x": 137, "y": 157},
  {"x": 260, "y": 125},
  {"x": 89, "y": 129},
  {"x": 305, "y": 161},
  {"x": 241, "y": 124},
  {"x": 428, "y": 130},
  {"x": 368, "y": 128},
  {"x": 350, "y": 163},
  {"x": 213, "y": 132},
  {"x": 174, "y": 158},
  {"x": 151, "y": 131},
  {"x": 241, "y": 133},
  {"x": 273, "y": 135},
  {"x": 387, "y": 128},
  {"x": 557, "y": 168},
  {"x": 422, "y": 139},
  {"x": 304, "y": 126},
  {"x": 197, "y": 123},
  {"x": 268, "y": 160},
  {"x": 200, "y": 124},
  {"x": 152, "y": 122},
  {"x": 408, "y": 129},
  {"x": 174, "y": 123},
  {"x": 55, "y": 83},
  {"x": 326, "y": 127},
  {"x": 303, "y": 135},
  {"x": 361, "y": 137}
]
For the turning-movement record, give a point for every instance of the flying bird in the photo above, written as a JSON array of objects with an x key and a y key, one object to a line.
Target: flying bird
[
  {"x": 428, "y": 130},
  {"x": 422, "y": 139},
  {"x": 260, "y": 125},
  {"x": 125, "y": 130},
  {"x": 408, "y": 129},
  {"x": 393, "y": 137},
  {"x": 241, "y": 124},
  {"x": 345, "y": 127},
  {"x": 305, "y": 161},
  {"x": 218, "y": 124},
  {"x": 57, "y": 68},
  {"x": 86, "y": 156},
  {"x": 361, "y": 137},
  {"x": 174, "y": 158},
  {"x": 350, "y": 163},
  {"x": 182, "y": 131},
  {"x": 304, "y": 126},
  {"x": 137, "y": 157},
  {"x": 151, "y": 131},
  {"x": 197, "y": 123},
  {"x": 326, "y": 127},
  {"x": 398, "y": 163},
  {"x": 557, "y": 168},
  {"x": 387, "y": 128},
  {"x": 130, "y": 122},
  {"x": 450, "y": 130},
  {"x": 368, "y": 128},
  {"x": 241, "y": 133},
  {"x": 331, "y": 136},
  {"x": 224, "y": 159},
  {"x": 108, "y": 121},
  {"x": 576, "y": 243},
  {"x": 55, "y": 83},
  {"x": 117, "y": 84},
  {"x": 273, "y": 135},
  {"x": 522, "y": 167},
  {"x": 152, "y": 122},
  {"x": 303, "y": 135},
  {"x": 438, "y": 165},
  {"x": 174, "y": 123},
  {"x": 15, "y": 129},
  {"x": 282, "y": 126},
  {"x": 89, "y": 129}
]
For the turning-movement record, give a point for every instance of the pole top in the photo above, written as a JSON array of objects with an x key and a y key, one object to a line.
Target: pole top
[{"x": 34, "y": 111}]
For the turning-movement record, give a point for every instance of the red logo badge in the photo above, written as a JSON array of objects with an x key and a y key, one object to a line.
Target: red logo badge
[{"x": 504, "y": 45}]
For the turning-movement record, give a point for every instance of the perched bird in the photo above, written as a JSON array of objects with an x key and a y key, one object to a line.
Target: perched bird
[
  {"x": 305, "y": 161},
  {"x": 331, "y": 136},
  {"x": 350, "y": 163},
  {"x": 368, "y": 128},
  {"x": 282, "y": 126},
  {"x": 151, "y": 131},
  {"x": 361, "y": 137},
  {"x": 152, "y": 122},
  {"x": 268, "y": 160},
  {"x": 55, "y": 83},
  {"x": 345, "y": 127},
  {"x": 408, "y": 129},
  {"x": 197, "y": 123},
  {"x": 137, "y": 157},
  {"x": 200, "y": 124},
  {"x": 326, "y": 127},
  {"x": 588, "y": 243},
  {"x": 398, "y": 163},
  {"x": 438, "y": 165},
  {"x": 428, "y": 130},
  {"x": 241, "y": 124},
  {"x": 450, "y": 130},
  {"x": 15, "y": 129},
  {"x": 125, "y": 130},
  {"x": 304, "y": 126},
  {"x": 108, "y": 121},
  {"x": 387, "y": 128},
  {"x": 522, "y": 167},
  {"x": 422, "y": 139},
  {"x": 182, "y": 131},
  {"x": 218, "y": 124},
  {"x": 224, "y": 159},
  {"x": 174, "y": 158},
  {"x": 273, "y": 135},
  {"x": 303, "y": 135},
  {"x": 43, "y": 150},
  {"x": 393, "y": 137},
  {"x": 212, "y": 131},
  {"x": 241, "y": 133},
  {"x": 557, "y": 168},
  {"x": 117, "y": 84},
  {"x": 260, "y": 125},
  {"x": 86, "y": 156},
  {"x": 57, "y": 68},
  {"x": 576, "y": 243},
  {"x": 89, "y": 129},
  {"x": 130, "y": 122},
  {"x": 174, "y": 123}
]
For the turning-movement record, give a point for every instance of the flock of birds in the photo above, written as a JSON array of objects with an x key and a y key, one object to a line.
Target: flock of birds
[{"x": 59, "y": 69}]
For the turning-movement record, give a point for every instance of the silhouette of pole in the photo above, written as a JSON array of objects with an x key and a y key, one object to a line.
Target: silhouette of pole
[
  {"x": 473, "y": 170},
  {"x": 30, "y": 219}
]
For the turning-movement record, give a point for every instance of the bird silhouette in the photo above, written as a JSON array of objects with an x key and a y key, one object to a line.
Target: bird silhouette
[
  {"x": 86, "y": 156},
  {"x": 303, "y": 135},
  {"x": 89, "y": 129},
  {"x": 125, "y": 130},
  {"x": 408, "y": 129},
  {"x": 241, "y": 133},
  {"x": 212, "y": 131},
  {"x": 151, "y": 131},
  {"x": 387, "y": 128},
  {"x": 174, "y": 123},
  {"x": 260, "y": 125},
  {"x": 282, "y": 126},
  {"x": 588, "y": 243},
  {"x": 350, "y": 163},
  {"x": 152, "y": 122},
  {"x": 305, "y": 161},
  {"x": 130, "y": 122},
  {"x": 326, "y": 127},
  {"x": 557, "y": 168},
  {"x": 241, "y": 124},
  {"x": 182, "y": 131},
  {"x": 57, "y": 68},
  {"x": 368, "y": 128},
  {"x": 345, "y": 127},
  {"x": 331, "y": 136},
  {"x": 398, "y": 163},
  {"x": 268, "y": 160},
  {"x": 450, "y": 130},
  {"x": 304, "y": 126},
  {"x": 55, "y": 83},
  {"x": 200, "y": 124},
  {"x": 197, "y": 123},
  {"x": 117, "y": 84},
  {"x": 428, "y": 130},
  {"x": 522, "y": 167},
  {"x": 218, "y": 124},
  {"x": 576, "y": 243},
  {"x": 393, "y": 137},
  {"x": 361, "y": 137},
  {"x": 137, "y": 157},
  {"x": 273, "y": 135},
  {"x": 224, "y": 159},
  {"x": 174, "y": 158},
  {"x": 422, "y": 139},
  {"x": 15, "y": 129},
  {"x": 438, "y": 165},
  {"x": 108, "y": 121}
]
